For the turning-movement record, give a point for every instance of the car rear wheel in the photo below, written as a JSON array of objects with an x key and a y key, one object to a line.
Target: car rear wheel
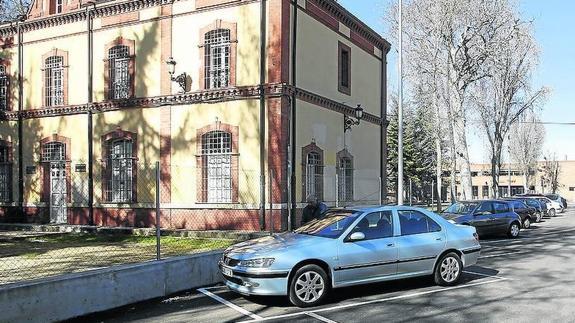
[
  {"x": 309, "y": 286},
  {"x": 527, "y": 223},
  {"x": 448, "y": 270},
  {"x": 513, "y": 231},
  {"x": 552, "y": 213}
]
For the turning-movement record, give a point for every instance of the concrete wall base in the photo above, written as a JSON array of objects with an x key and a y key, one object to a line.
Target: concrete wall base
[{"x": 72, "y": 295}]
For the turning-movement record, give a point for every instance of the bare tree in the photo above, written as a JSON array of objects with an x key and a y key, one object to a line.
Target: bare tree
[
  {"x": 526, "y": 145},
  {"x": 11, "y": 9},
  {"x": 551, "y": 170}
]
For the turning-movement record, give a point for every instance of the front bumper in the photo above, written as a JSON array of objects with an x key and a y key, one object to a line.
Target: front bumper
[{"x": 256, "y": 282}]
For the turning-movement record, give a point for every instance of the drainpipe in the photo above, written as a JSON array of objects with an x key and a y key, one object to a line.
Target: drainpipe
[
  {"x": 89, "y": 114},
  {"x": 383, "y": 129},
  {"x": 293, "y": 124},
  {"x": 20, "y": 108},
  {"x": 262, "y": 114}
]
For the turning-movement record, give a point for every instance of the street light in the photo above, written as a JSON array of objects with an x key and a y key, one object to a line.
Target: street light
[
  {"x": 400, "y": 114},
  {"x": 348, "y": 122},
  {"x": 181, "y": 79}
]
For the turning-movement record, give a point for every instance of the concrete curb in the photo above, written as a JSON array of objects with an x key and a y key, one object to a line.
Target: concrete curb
[{"x": 72, "y": 295}]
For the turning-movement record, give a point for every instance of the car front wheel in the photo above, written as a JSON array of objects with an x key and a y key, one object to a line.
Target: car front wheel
[
  {"x": 513, "y": 231},
  {"x": 448, "y": 270},
  {"x": 552, "y": 213},
  {"x": 309, "y": 286}
]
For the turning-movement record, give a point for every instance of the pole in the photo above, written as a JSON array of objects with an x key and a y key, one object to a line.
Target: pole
[
  {"x": 271, "y": 176},
  {"x": 432, "y": 191},
  {"x": 20, "y": 121},
  {"x": 380, "y": 191},
  {"x": 262, "y": 114},
  {"x": 410, "y": 192},
  {"x": 90, "y": 116},
  {"x": 400, "y": 116},
  {"x": 337, "y": 189},
  {"x": 158, "y": 210}
]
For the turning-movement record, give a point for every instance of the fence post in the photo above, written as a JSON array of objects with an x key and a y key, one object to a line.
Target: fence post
[
  {"x": 410, "y": 192},
  {"x": 380, "y": 186},
  {"x": 158, "y": 210},
  {"x": 336, "y": 190},
  {"x": 271, "y": 176}
]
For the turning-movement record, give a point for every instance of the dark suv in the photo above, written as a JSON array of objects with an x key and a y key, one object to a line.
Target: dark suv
[
  {"x": 527, "y": 214},
  {"x": 487, "y": 216},
  {"x": 540, "y": 207}
]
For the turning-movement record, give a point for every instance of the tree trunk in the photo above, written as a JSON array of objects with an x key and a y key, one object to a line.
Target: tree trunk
[
  {"x": 463, "y": 155},
  {"x": 438, "y": 167},
  {"x": 495, "y": 168}
]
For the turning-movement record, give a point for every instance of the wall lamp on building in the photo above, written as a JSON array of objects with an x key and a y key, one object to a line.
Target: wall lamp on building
[
  {"x": 181, "y": 79},
  {"x": 349, "y": 122}
]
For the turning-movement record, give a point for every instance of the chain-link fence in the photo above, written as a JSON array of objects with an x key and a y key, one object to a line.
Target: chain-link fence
[{"x": 146, "y": 211}]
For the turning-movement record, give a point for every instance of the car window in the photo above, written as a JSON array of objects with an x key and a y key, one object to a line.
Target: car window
[
  {"x": 461, "y": 208},
  {"x": 501, "y": 207},
  {"x": 376, "y": 225},
  {"x": 331, "y": 225},
  {"x": 532, "y": 203},
  {"x": 518, "y": 205},
  {"x": 414, "y": 222},
  {"x": 484, "y": 207}
]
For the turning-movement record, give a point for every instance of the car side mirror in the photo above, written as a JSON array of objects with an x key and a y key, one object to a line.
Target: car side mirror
[{"x": 357, "y": 236}]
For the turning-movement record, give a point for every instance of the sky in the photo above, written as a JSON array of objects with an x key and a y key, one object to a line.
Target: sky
[{"x": 553, "y": 21}]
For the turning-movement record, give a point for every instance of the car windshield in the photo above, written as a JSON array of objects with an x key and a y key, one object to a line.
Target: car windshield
[
  {"x": 532, "y": 203},
  {"x": 461, "y": 208},
  {"x": 331, "y": 225},
  {"x": 552, "y": 196}
]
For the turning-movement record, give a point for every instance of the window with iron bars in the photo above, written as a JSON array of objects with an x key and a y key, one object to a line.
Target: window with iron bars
[
  {"x": 54, "y": 81},
  {"x": 345, "y": 179},
  {"x": 54, "y": 151},
  {"x": 314, "y": 175},
  {"x": 5, "y": 175},
  {"x": 3, "y": 89},
  {"x": 217, "y": 59},
  {"x": 217, "y": 166},
  {"x": 121, "y": 171},
  {"x": 119, "y": 73}
]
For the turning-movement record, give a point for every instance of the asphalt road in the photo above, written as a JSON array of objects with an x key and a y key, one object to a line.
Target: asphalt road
[{"x": 529, "y": 279}]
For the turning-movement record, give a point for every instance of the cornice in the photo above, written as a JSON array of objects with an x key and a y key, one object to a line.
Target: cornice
[{"x": 209, "y": 96}]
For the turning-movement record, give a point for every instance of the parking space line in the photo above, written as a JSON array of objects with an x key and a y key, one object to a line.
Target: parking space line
[
  {"x": 319, "y": 317},
  {"x": 229, "y": 304},
  {"x": 501, "y": 254},
  {"x": 381, "y": 300},
  {"x": 483, "y": 275}
]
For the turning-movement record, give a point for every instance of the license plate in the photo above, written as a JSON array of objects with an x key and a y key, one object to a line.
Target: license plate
[{"x": 227, "y": 272}]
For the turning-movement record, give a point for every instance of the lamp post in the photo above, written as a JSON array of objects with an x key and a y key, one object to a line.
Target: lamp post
[
  {"x": 349, "y": 122},
  {"x": 400, "y": 114},
  {"x": 181, "y": 79}
]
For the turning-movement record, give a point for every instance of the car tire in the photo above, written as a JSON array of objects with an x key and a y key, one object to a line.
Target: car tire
[
  {"x": 513, "y": 231},
  {"x": 309, "y": 286},
  {"x": 552, "y": 213},
  {"x": 539, "y": 217},
  {"x": 448, "y": 270},
  {"x": 527, "y": 223}
]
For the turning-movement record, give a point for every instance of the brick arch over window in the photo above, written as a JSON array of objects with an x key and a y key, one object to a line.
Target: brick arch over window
[
  {"x": 6, "y": 178},
  {"x": 202, "y": 155},
  {"x": 107, "y": 140},
  {"x": 45, "y": 166},
  {"x": 50, "y": 71},
  {"x": 233, "y": 33},
  {"x": 5, "y": 83},
  {"x": 344, "y": 169},
  {"x": 312, "y": 164},
  {"x": 109, "y": 65}
]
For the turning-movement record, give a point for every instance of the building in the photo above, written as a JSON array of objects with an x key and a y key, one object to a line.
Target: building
[
  {"x": 248, "y": 105},
  {"x": 511, "y": 178}
]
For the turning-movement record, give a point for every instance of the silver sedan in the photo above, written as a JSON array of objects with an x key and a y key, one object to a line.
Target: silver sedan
[{"x": 351, "y": 247}]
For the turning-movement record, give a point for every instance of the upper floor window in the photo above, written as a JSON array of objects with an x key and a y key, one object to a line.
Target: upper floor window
[
  {"x": 217, "y": 59},
  {"x": 344, "y": 69},
  {"x": 56, "y": 6},
  {"x": 3, "y": 88},
  {"x": 119, "y": 72},
  {"x": 54, "y": 81}
]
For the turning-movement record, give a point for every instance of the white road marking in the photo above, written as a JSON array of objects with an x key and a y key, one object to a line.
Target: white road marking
[
  {"x": 214, "y": 287},
  {"x": 319, "y": 317},
  {"x": 483, "y": 275},
  {"x": 339, "y": 307},
  {"x": 501, "y": 254},
  {"x": 229, "y": 304}
]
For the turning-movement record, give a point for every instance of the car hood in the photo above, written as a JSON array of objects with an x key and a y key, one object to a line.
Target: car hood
[
  {"x": 266, "y": 245},
  {"x": 452, "y": 216}
]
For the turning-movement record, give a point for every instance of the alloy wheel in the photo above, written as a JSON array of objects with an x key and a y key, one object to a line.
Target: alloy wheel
[
  {"x": 449, "y": 269},
  {"x": 514, "y": 230},
  {"x": 309, "y": 287},
  {"x": 527, "y": 223}
]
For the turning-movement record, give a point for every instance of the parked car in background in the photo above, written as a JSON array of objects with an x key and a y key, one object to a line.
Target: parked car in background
[
  {"x": 557, "y": 198},
  {"x": 540, "y": 207},
  {"x": 552, "y": 206},
  {"x": 350, "y": 247},
  {"x": 527, "y": 214},
  {"x": 487, "y": 216}
]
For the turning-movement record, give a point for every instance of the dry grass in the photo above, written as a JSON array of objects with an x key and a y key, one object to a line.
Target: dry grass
[{"x": 48, "y": 255}]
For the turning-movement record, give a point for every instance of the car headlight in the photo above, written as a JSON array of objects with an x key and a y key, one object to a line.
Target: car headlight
[{"x": 257, "y": 263}]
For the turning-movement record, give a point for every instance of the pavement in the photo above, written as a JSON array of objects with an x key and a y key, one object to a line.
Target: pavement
[{"x": 529, "y": 279}]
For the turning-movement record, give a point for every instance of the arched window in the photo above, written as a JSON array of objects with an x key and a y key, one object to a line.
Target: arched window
[
  {"x": 217, "y": 58},
  {"x": 3, "y": 88},
  {"x": 5, "y": 171},
  {"x": 54, "y": 81},
  {"x": 119, "y": 72},
  {"x": 312, "y": 157},
  {"x": 217, "y": 166},
  {"x": 345, "y": 176},
  {"x": 119, "y": 171}
]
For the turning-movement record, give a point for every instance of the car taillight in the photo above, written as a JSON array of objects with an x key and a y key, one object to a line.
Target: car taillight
[{"x": 476, "y": 236}]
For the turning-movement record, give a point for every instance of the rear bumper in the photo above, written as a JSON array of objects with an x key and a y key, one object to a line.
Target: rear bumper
[
  {"x": 470, "y": 256},
  {"x": 260, "y": 283}
]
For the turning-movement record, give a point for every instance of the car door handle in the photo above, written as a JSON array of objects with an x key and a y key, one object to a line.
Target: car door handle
[
  {"x": 438, "y": 239},
  {"x": 390, "y": 245}
]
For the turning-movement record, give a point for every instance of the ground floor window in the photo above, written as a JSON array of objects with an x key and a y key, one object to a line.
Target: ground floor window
[{"x": 5, "y": 173}]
